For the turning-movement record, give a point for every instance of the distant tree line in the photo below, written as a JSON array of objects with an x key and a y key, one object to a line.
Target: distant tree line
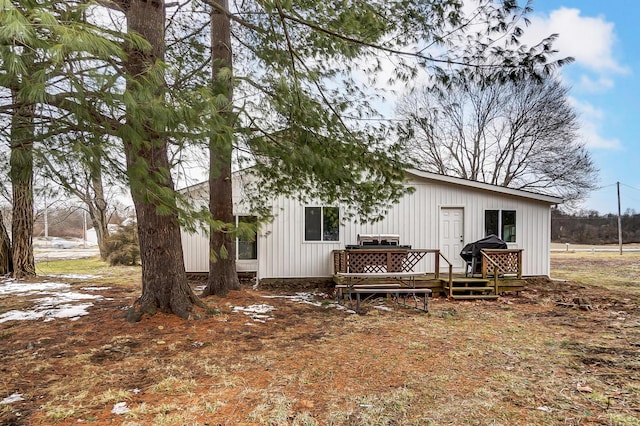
[{"x": 592, "y": 228}]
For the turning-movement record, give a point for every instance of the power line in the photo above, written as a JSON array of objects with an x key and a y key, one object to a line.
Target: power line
[
  {"x": 630, "y": 187},
  {"x": 615, "y": 184},
  {"x": 606, "y": 186}
]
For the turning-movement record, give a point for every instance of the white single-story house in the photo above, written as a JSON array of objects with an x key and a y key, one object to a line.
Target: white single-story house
[{"x": 442, "y": 213}]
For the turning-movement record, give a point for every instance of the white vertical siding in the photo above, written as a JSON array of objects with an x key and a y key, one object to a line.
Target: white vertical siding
[
  {"x": 196, "y": 251},
  {"x": 195, "y": 246},
  {"x": 283, "y": 253}
]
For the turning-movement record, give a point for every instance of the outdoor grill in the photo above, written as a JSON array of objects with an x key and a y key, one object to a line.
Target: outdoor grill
[
  {"x": 375, "y": 241},
  {"x": 376, "y": 253},
  {"x": 471, "y": 252}
]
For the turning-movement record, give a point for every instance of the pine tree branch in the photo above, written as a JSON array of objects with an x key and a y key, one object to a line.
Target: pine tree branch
[
  {"x": 291, "y": 50},
  {"x": 380, "y": 47},
  {"x": 233, "y": 17}
]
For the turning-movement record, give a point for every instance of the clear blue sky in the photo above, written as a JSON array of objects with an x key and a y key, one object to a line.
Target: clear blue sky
[{"x": 604, "y": 38}]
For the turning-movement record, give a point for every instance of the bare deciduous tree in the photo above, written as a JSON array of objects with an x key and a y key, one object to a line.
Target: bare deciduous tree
[
  {"x": 516, "y": 134},
  {"x": 77, "y": 166}
]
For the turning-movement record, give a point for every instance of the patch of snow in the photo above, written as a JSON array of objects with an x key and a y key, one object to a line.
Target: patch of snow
[
  {"x": 383, "y": 308},
  {"x": 199, "y": 287},
  {"x": 120, "y": 408},
  {"x": 66, "y": 297},
  {"x": 73, "y": 312},
  {"x": 256, "y": 312},
  {"x": 254, "y": 309},
  {"x": 95, "y": 288},
  {"x": 341, "y": 308},
  {"x": 307, "y": 298},
  {"x": 27, "y": 289},
  {"x": 58, "y": 301},
  {"x": 76, "y": 276},
  {"x": 15, "y": 397},
  {"x": 20, "y": 316},
  {"x": 49, "y": 313}
]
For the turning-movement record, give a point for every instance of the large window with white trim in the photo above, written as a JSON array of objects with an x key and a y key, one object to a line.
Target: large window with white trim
[
  {"x": 321, "y": 224},
  {"x": 501, "y": 223}
]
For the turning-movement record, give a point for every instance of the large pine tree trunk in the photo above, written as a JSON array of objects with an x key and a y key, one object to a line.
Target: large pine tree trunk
[
  {"x": 222, "y": 266},
  {"x": 6, "y": 265},
  {"x": 21, "y": 175},
  {"x": 164, "y": 282}
]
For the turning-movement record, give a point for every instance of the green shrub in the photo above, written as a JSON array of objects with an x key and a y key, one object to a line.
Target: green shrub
[{"x": 122, "y": 246}]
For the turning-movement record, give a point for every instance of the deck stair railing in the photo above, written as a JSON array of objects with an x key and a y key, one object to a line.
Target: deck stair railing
[{"x": 502, "y": 262}]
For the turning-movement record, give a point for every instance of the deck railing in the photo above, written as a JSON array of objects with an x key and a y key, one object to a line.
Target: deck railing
[
  {"x": 502, "y": 262},
  {"x": 387, "y": 260}
]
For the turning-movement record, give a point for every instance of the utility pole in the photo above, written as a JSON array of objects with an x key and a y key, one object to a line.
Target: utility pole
[
  {"x": 84, "y": 228},
  {"x": 619, "y": 220},
  {"x": 46, "y": 219}
]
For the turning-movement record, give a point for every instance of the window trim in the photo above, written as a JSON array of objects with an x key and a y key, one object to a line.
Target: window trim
[
  {"x": 321, "y": 240},
  {"x": 500, "y": 224}
]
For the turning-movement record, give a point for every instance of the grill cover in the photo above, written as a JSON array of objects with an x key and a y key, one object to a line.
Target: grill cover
[
  {"x": 378, "y": 239},
  {"x": 472, "y": 250}
]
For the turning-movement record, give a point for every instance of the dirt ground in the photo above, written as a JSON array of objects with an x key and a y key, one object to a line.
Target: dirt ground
[{"x": 558, "y": 353}]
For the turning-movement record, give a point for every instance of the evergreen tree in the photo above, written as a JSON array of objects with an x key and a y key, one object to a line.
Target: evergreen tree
[
  {"x": 293, "y": 106},
  {"x": 307, "y": 122}
]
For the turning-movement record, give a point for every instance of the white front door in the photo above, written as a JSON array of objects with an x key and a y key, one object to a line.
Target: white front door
[{"x": 452, "y": 236}]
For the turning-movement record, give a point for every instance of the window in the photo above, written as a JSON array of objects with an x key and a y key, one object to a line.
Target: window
[
  {"x": 321, "y": 224},
  {"x": 247, "y": 241},
  {"x": 501, "y": 223}
]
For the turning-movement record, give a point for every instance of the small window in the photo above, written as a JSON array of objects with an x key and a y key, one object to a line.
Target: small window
[
  {"x": 491, "y": 222},
  {"x": 321, "y": 224},
  {"x": 509, "y": 226},
  {"x": 247, "y": 241},
  {"x": 501, "y": 223}
]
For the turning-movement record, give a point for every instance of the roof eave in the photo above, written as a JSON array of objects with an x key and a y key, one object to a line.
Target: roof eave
[{"x": 486, "y": 187}]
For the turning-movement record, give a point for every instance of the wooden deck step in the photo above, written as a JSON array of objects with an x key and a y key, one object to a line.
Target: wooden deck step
[
  {"x": 474, "y": 296},
  {"x": 467, "y": 280},
  {"x": 454, "y": 288}
]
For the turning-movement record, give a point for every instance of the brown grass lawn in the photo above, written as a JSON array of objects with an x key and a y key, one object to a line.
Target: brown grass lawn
[{"x": 530, "y": 359}]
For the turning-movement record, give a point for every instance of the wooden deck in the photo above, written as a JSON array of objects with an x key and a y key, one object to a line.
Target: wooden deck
[
  {"x": 501, "y": 271},
  {"x": 439, "y": 286}
]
